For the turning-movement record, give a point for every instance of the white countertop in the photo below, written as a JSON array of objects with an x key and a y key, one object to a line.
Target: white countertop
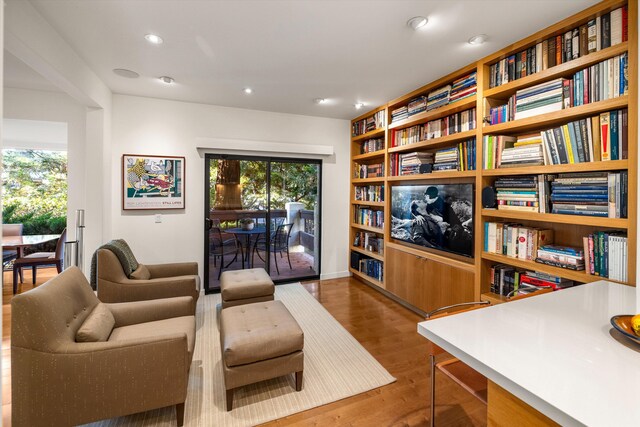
[{"x": 557, "y": 352}]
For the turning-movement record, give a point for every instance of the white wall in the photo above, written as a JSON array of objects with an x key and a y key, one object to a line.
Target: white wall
[{"x": 152, "y": 126}]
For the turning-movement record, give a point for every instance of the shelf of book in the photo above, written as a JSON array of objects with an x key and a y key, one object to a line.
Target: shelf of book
[
  {"x": 371, "y": 155},
  {"x": 370, "y": 134},
  {"x": 367, "y": 180},
  {"x": 373, "y": 255},
  {"x": 547, "y": 120},
  {"x": 438, "y": 113},
  {"x": 563, "y": 70},
  {"x": 433, "y": 176},
  {"x": 366, "y": 203},
  {"x": 622, "y": 223},
  {"x": 493, "y": 298},
  {"x": 434, "y": 143},
  {"x": 554, "y": 169},
  {"x": 578, "y": 276},
  {"x": 368, "y": 228},
  {"x": 365, "y": 277}
]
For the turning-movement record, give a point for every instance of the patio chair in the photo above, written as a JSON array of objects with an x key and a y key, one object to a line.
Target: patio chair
[
  {"x": 279, "y": 243},
  {"x": 221, "y": 247},
  {"x": 40, "y": 258}
]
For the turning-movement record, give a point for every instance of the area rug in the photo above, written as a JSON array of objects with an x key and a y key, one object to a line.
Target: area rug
[{"x": 336, "y": 366}]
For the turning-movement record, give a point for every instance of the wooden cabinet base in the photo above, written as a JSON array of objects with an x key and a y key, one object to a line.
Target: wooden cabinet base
[{"x": 504, "y": 409}]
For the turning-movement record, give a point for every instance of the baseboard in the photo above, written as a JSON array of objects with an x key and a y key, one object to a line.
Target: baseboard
[{"x": 336, "y": 275}]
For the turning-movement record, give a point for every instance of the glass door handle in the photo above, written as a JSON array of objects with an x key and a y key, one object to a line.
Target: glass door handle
[{"x": 208, "y": 224}]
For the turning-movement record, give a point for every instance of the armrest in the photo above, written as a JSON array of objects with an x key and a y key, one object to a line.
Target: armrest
[
  {"x": 122, "y": 371},
  {"x": 175, "y": 269},
  {"x": 140, "y": 290},
  {"x": 131, "y": 313}
]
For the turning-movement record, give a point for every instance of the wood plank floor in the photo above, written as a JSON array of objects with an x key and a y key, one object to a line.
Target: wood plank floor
[{"x": 386, "y": 329}]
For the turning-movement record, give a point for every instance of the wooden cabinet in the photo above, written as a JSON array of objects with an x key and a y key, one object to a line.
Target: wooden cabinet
[{"x": 424, "y": 283}]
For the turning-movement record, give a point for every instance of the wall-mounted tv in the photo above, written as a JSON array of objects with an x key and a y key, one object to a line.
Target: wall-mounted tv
[{"x": 436, "y": 216}]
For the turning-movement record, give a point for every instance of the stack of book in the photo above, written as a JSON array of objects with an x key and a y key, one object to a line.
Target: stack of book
[
  {"x": 515, "y": 240},
  {"x": 493, "y": 146},
  {"x": 371, "y": 145},
  {"x": 507, "y": 280},
  {"x": 518, "y": 193},
  {"x": 600, "y": 194},
  {"x": 371, "y": 267},
  {"x": 369, "y": 241},
  {"x": 415, "y": 163},
  {"x": 455, "y": 123},
  {"x": 369, "y": 217},
  {"x": 539, "y": 99},
  {"x": 368, "y": 171},
  {"x": 607, "y": 254},
  {"x": 463, "y": 87},
  {"x": 376, "y": 121},
  {"x": 561, "y": 256},
  {"x": 447, "y": 159},
  {"x": 417, "y": 105},
  {"x": 369, "y": 193},
  {"x": 399, "y": 113},
  {"x": 602, "y": 32},
  {"x": 438, "y": 98},
  {"x": 526, "y": 151}
]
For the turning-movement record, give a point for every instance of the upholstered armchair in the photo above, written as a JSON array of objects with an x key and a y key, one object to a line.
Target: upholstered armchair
[
  {"x": 147, "y": 282},
  {"x": 76, "y": 360}
]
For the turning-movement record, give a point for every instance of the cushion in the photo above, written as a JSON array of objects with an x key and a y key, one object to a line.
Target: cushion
[
  {"x": 260, "y": 331},
  {"x": 97, "y": 326},
  {"x": 142, "y": 273},
  {"x": 184, "y": 324},
  {"x": 241, "y": 284}
]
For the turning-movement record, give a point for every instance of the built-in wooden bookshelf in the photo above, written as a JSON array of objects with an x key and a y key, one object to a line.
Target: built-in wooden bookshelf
[{"x": 472, "y": 281}]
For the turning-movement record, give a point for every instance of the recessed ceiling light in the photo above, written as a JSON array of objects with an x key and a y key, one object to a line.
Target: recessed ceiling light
[
  {"x": 358, "y": 105},
  {"x": 166, "y": 80},
  {"x": 478, "y": 40},
  {"x": 247, "y": 90},
  {"x": 417, "y": 22},
  {"x": 123, "y": 72},
  {"x": 320, "y": 100},
  {"x": 153, "y": 38}
]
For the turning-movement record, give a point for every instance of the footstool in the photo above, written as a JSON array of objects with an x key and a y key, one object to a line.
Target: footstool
[
  {"x": 259, "y": 341},
  {"x": 245, "y": 287}
]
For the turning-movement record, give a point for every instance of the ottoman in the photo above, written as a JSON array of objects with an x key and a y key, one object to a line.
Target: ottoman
[
  {"x": 245, "y": 286},
  {"x": 259, "y": 341}
]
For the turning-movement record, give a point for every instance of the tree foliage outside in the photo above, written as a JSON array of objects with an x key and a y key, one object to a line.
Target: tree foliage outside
[
  {"x": 290, "y": 182},
  {"x": 34, "y": 184}
]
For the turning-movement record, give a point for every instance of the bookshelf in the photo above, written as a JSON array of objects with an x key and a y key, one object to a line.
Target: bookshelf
[{"x": 472, "y": 276}]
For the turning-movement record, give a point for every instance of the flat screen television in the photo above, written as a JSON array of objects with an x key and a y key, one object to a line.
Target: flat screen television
[{"x": 436, "y": 216}]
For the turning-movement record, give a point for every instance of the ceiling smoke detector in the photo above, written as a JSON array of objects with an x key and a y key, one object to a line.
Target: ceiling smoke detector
[
  {"x": 478, "y": 40},
  {"x": 417, "y": 22},
  {"x": 166, "y": 80}
]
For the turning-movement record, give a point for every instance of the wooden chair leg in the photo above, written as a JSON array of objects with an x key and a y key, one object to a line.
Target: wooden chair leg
[
  {"x": 59, "y": 266},
  {"x": 34, "y": 269},
  {"x": 180, "y": 414},
  {"x": 15, "y": 280},
  {"x": 299, "y": 381},
  {"x": 21, "y": 275},
  {"x": 432, "y": 362},
  {"x": 229, "y": 400}
]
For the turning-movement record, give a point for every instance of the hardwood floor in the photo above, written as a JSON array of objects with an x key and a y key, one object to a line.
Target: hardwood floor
[{"x": 386, "y": 329}]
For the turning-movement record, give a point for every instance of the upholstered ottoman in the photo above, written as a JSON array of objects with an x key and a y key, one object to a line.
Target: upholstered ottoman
[
  {"x": 245, "y": 286},
  {"x": 259, "y": 341}
]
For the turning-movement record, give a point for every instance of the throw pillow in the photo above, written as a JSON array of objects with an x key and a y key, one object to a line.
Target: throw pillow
[
  {"x": 142, "y": 273},
  {"x": 97, "y": 326}
]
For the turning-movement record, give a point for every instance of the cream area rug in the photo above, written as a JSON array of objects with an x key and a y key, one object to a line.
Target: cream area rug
[{"x": 336, "y": 366}]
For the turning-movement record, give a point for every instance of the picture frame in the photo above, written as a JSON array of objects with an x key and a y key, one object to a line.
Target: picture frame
[{"x": 153, "y": 182}]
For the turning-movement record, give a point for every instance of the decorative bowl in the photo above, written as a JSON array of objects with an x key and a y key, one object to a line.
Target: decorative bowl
[{"x": 622, "y": 323}]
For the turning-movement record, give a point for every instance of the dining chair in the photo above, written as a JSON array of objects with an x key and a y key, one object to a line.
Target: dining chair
[
  {"x": 40, "y": 258},
  {"x": 219, "y": 247},
  {"x": 279, "y": 243},
  {"x": 10, "y": 253},
  {"x": 463, "y": 375}
]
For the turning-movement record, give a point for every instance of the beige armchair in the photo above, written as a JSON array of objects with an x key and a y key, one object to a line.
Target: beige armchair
[
  {"x": 139, "y": 358},
  {"x": 161, "y": 281}
]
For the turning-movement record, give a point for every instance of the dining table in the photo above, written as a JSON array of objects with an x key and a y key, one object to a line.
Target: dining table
[
  {"x": 25, "y": 241},
  {"x": 237, "y": 232}
]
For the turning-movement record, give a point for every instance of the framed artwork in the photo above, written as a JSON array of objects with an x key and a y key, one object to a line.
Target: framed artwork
[{"x": 152, "y": 182}]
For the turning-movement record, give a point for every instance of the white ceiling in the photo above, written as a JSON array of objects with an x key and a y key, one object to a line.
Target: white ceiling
[
  {"x": 19, "y": 75},
  {"x": 34, "y": 134},
  {"x": 290, "y": 51}
]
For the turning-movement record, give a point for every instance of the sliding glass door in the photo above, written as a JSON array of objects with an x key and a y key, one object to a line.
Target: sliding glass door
[{"x": 262, "y": 213}]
